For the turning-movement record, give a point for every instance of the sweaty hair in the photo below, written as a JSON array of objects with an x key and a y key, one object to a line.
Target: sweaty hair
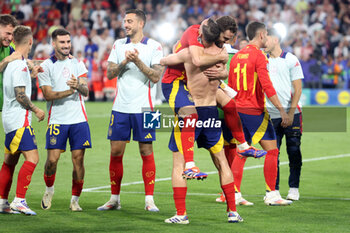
[
  {"x": 211, "y": 31},
  {"x": 59, "y": 32},
  {"x": 6, "y": 19},
  {"x": 227, "y": 23},
  {"x": 273, "y": 32},
  {"x": 21, "y": 34},
  {"x": 253, "y": 28},
  {"x": 139, "y": 14}
]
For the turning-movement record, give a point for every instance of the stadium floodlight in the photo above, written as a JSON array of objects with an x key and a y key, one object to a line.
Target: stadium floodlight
[
  {"x": 281, "y": 30},
  {"x": 165, "y": 32}
]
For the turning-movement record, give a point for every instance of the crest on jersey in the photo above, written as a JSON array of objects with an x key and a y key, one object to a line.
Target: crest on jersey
[
  {"x": 66, "y": 73},
  {"x": 53, "y": 140}
]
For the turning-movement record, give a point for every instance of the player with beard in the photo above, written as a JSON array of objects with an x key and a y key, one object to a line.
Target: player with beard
[
  {"x": 203, "y": 90},
  {"x": 64, "y": 84},
  {"x": 135, "y": 60}
]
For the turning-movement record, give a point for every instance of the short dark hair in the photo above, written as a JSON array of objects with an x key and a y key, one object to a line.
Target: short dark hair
[
  {"x": 273, "y": 32},
  {"x": 139, "y": 14},
  {"x": 21, "y": 33},
  {"x": 252, "y": 29},
  {"x": 227, "y": 23},
  {"x": 211, "y": 31},
  {"x": 6, "y": 19},
  {"x": 59, "y": 32}
]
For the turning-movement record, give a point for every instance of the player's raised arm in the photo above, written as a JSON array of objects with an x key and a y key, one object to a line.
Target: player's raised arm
[
  {"x": 175, "y": 58},
  {"x": 113, "y": 70},
  {"x": 79, "y": 84},
  {"x": 50, "y": 95},
  {"x": 8, "y": 59},
  {"x": 208, "y": 30},
  {"x": 153, "y": 73},
  {"x": 217, "y": 72},
  {"x": 25, "y": 102}
]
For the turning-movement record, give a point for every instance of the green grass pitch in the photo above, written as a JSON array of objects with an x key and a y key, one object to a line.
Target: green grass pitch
[{"x": 324, "y": 205}]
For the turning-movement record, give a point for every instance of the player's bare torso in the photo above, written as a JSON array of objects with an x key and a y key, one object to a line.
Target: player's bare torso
[{"x": 203, "y": 90}]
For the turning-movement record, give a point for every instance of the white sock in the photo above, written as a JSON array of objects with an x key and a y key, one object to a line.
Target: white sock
[
  {"x": 149, "y": 198},
  {"x": 3, "y": 201},
  {"x": 17, "y": 199},
  {"x": 115, "y": 198},
  {"x": 50, "y": 189},
  {"x": 243, "y": 146},
  {"x": 74, "y": 198},
  {"x": 189, "y": 165}
]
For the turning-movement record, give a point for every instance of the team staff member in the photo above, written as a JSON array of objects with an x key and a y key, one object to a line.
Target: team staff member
[
  {"x": 286, "y": 75},
  {"x": 64, "y": 84},
  {"x": 249, "y": 77},
  {"x": 136, "y": 61},
  {"x": 16, "y": 119}
]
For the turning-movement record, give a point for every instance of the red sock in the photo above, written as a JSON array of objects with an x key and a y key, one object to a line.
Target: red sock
[
  {"x": 233, "y": 121},
  {"x": 230, "y": 152},
  {"x": 237, "y": 171},
  {"x": 6, "y": 174},
  {"x": 24, "y": 178},
  {"x": 229, "y": 191},
  {"x": 116, "y": 173},
  {"x": 148, "y": 173},
  {"x": 77, "y": 186},
  {"x": 180, "y": 200},
  {"x": 270, "y": 169},
  {"x": 187, "y": 136},
  {"x": 49, "y": 180}
]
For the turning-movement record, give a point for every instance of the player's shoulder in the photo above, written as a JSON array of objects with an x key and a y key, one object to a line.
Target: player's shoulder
[
  {"x": 290, "y": 56},
  {"x": 122, "y": 41},
  {"x": 17, "y": 64},
  {"x": 153, "y": 42},
  {"x": 49, "y": 61},
  {"x": 230, "y": 49}
]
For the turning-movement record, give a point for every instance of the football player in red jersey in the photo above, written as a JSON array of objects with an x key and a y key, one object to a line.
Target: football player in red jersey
[
  {"x": 249, "y": 76},
  {"x": 176, "y": 92}
]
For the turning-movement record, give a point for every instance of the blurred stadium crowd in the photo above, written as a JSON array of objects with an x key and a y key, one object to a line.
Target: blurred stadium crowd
[{"x": 317, "y": 31}]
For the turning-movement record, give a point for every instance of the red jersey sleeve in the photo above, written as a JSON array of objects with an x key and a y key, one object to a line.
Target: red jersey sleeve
[{"x": 263, "y": 74}]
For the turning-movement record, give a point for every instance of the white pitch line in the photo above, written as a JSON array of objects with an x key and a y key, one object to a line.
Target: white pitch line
[
  {"x": 214, "y": 172},
  {"x": 216, "y": 194}
]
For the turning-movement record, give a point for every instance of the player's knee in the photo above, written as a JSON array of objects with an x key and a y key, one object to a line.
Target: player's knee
[{"x": 293, "y": 143}]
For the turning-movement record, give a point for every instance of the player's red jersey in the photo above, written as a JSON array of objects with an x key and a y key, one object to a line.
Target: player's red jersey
[
  {"x": 189, "y": 37},
  {"x": 249, "y": 76}
]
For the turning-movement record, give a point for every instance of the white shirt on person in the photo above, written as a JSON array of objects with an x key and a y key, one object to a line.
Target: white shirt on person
[
  {"x": 283, "y": 71},
  {"x": 71, "y": 109},
  {"x": 134, "y": 90},
  {"x": 14, "y": 116}
]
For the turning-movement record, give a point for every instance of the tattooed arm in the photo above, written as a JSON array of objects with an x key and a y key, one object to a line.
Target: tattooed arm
[
  {"x": 113, "y": 70},
  {"x": 153, "y": 73},
  {"x": 79, "y": 84},
  {"x": 25, "y": 102}
]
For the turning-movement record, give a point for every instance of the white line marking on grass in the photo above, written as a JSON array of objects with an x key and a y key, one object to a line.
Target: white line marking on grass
[
  {"x": 217, "y": 194},
  {"x": 214, "y": 172}
]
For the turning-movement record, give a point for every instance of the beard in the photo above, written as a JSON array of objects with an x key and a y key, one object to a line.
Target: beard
[
  {"x": 4, "y": 42},
  {"x": 61, "y": 52}
]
